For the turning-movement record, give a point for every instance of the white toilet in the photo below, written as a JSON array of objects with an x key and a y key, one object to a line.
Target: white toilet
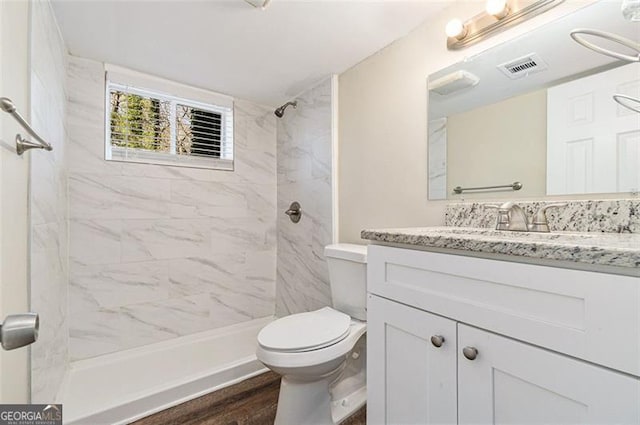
[{"x": 321, "y": 354}]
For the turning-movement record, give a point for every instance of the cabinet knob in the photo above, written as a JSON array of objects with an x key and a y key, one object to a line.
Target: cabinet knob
[
  {"x": 437, "y": 340},
  {"x": 470, "y": 352}
]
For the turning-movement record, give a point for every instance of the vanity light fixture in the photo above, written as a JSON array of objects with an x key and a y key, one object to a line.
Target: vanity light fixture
[{"x": 498, "y": 15}]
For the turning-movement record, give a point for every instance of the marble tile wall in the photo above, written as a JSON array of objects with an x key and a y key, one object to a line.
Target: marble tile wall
[
  {"x": 304, "y": 175},
  {"x": 607, "y": 215},
  {"x": 158, "y": 252},
  {"x": 48, "y": 205}
]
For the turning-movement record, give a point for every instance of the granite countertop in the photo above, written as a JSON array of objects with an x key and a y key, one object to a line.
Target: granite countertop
[{"x": 587, "y": 248}]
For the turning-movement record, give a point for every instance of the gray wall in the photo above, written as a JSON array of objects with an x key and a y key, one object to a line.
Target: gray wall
[
  {"x": 158, "y": 252},
  {"x": 304, "y": 175}
]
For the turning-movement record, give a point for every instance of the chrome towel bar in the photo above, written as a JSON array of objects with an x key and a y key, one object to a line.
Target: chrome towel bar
[
  {"x": 22, "y": 144},
  {"x": 514, "y": 186}
]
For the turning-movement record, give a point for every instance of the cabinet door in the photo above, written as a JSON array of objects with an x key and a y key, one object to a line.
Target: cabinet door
[
  {"x": 510, "y": 382},
  {"x": 409, "y": 379}
]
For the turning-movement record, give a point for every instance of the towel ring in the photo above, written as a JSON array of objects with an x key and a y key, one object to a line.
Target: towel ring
[
  {"x": 622, "y": 98},
  {"x": 578, "y": 37}
]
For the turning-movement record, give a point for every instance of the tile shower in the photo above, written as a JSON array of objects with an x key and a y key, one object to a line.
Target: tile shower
[
  {"x": 125, "y": 255},
  {"x": 158, "y": 252},
  {"x": 304, "y": 175}
]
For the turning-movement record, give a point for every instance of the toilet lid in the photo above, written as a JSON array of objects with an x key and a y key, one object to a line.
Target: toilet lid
[{"x": 305, "y": 331}]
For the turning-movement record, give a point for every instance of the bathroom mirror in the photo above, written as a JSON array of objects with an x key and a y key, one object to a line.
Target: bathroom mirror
[{"x": 538, "y": 110}]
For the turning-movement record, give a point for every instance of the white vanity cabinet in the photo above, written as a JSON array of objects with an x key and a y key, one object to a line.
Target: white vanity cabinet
[{"x": 553, "y": 345}]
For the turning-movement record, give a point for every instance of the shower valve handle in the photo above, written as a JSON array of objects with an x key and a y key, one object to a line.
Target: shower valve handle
[{"x": 294, "y": 212}]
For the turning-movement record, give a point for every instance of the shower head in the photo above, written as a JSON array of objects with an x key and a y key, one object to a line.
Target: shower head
[{"x": 280, "y": 111}]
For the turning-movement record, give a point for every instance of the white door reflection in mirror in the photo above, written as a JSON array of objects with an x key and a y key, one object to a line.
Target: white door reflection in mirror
[{"x": 589, "y": 134}]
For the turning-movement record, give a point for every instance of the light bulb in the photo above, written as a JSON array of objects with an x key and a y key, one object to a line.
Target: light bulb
[
  {"x": 497, "y": 8},
  {"x": 456, "y": 29}
]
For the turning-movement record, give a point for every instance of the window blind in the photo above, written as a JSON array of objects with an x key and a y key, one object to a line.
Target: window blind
[{"x": 153, "y": 127}]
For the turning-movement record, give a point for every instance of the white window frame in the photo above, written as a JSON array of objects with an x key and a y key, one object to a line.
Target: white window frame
[{"x": 132, "y": 83}]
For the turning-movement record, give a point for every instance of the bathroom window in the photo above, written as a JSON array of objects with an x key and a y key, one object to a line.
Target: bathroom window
[{"x": 152, "y": 126}]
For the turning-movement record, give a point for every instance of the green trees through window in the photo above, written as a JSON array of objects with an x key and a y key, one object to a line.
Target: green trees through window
[
  {"x": 140, "y": 122},
  {"x": 145, "y": 123}
]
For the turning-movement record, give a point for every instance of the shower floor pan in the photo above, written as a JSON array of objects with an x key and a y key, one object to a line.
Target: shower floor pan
[{"x": 121, "y": 387}]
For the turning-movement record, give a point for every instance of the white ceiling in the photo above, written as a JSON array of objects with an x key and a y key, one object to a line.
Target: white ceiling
[{"x": 228, "y": 46}]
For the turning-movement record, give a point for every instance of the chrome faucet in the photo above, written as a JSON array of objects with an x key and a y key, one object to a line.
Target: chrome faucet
[{"x": 513, "y": 218}]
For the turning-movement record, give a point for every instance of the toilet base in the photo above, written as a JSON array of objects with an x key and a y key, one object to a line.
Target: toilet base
[
  {"x": 304, "y": 402},
  {"x": 326, "y": 393}
]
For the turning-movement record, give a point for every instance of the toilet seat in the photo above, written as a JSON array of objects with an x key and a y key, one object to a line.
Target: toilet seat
[
  {"x": 305, "y": 331},
  {"x": 312, "y": 358}
]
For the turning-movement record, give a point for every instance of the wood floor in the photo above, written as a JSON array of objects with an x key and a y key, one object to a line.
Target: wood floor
[{"x": 251, "y": 402}]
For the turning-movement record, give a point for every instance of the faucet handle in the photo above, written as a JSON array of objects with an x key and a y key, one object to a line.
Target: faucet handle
[
  {"x": 503, "y": 220},
  {"x": 539, "y": 221}
]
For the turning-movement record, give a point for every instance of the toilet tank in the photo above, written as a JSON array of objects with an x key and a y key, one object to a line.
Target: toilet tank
[{"x": 348, "y": 278}]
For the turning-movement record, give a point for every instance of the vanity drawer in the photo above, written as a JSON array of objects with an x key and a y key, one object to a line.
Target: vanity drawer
[{"x": 589, "y": 315}]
